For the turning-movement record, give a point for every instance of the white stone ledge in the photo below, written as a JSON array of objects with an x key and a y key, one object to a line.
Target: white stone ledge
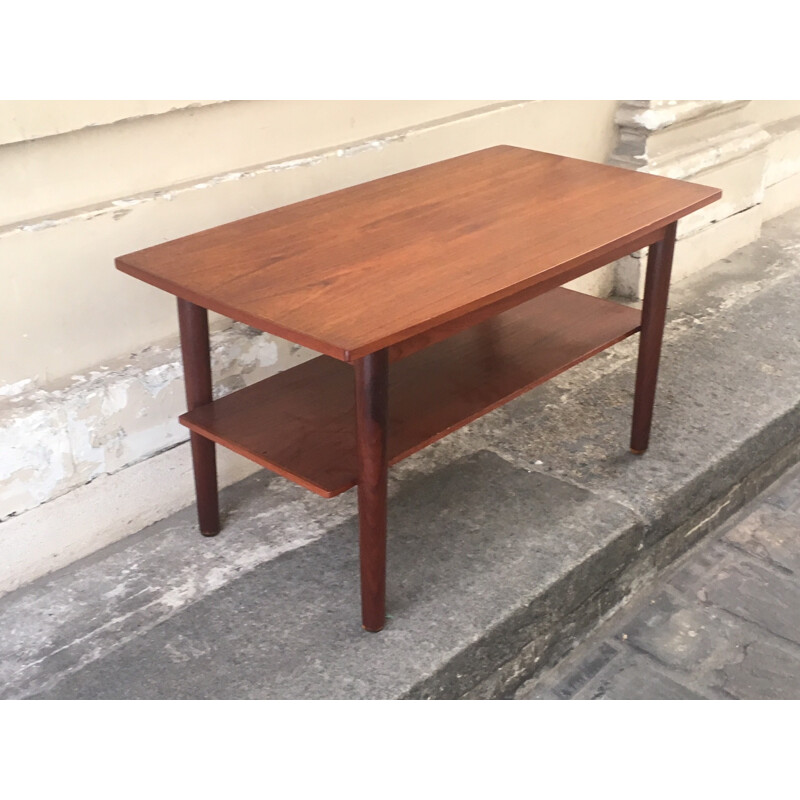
[
  {"x": 666, "y": 113},
  {"x": 687, "y": 162},
  {"x": 95, "y": 431}
]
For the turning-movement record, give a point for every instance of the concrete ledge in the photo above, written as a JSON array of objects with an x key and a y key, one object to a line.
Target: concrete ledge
[
  {"x": 105, "y": 510},
  {"x": 509, "y": 540}
]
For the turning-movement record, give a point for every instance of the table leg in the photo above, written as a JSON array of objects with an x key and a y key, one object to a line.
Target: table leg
[
  {"x": 372, "y": 400},
  {"x": 195, "y": 349},
  {"x": 654, "y": 311}
]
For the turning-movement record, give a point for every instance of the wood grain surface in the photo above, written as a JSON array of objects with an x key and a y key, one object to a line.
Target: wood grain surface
[
  {"x": 363, "y": 268},
  {"x": 301, "y": 422}
]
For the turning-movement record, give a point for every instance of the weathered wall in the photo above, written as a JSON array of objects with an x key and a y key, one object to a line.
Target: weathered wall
[
  {"x": 72, "y": 202},
  {"x": 90, "y": 377},
  {"x": 749, "y": 149}
]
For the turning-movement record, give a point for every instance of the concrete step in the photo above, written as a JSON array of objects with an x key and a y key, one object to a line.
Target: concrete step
[
  {"x": 509, "y": 540},
  {"x": 722, "y": 622}
]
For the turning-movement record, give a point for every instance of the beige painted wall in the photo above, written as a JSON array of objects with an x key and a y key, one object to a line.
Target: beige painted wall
[
  {"x": 21, "y": 120},
  {"x": 73, "y": 201},
  {"x": 768, "y": 111},
  {"x": 90, "y": 373}
]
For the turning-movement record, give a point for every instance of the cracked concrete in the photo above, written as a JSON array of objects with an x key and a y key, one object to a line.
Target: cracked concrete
[{"x": 509, "y": 539}]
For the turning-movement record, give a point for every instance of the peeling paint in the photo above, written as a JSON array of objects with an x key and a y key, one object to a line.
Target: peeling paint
[
  {"x": 663, "y": 114},
  {"x": 652, "y": 119},
  {"x": 58, "y": 439},
  {"x": 40, "y": 226},
  {"x": 731, "y": 145}
]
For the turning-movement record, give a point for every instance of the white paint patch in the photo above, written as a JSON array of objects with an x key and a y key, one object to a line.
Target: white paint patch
[
  {"x": 14, "y": 389},
  {"x": 652, "y": 119},
  {"x": 55, "y": 441}
]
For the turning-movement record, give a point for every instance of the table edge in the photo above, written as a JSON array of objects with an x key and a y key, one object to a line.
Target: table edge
[{"x": 525, "y": 289}]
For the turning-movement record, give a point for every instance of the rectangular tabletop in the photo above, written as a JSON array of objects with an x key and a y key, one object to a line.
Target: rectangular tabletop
[{"x": 360, "y": 269}]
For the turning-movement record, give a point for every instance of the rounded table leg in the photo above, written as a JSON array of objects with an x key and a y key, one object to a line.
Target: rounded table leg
[
  {"x": 195, "y": 350},
  {"x": 654, "y": 312},
  {"x": 372, "y": 394}
]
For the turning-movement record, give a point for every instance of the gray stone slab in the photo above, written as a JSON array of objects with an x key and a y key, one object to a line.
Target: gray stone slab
[
  {"x": 692, "y": 577},
  {"x": 685, "y": 635},
  {"x": 78, "y": 614},
  {"x": 635, "y": 677},
  {"x": 772, "y": 535},
  {"x": 714, "y": 625},
  {"x": 785, "y": 494},
  {"x": 469, "y": 543},
  {"x": 760, "y": 595},
  {"x": 767, "y": 671},
  {"x": 564, "y": 686}
]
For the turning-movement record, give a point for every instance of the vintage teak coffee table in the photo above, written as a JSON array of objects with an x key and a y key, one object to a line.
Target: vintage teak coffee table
[{"x": 434, "y": 296}]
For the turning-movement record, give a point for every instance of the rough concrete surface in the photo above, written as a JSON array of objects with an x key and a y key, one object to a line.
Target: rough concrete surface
[
  {"x": 723, "y": 622},
  {"x": 509, "y": 539}
]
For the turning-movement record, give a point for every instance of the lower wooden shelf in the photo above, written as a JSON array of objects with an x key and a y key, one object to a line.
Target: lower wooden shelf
[{"x": 301, "y": 422}]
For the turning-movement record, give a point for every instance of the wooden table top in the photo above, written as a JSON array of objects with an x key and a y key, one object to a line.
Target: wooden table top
[{"x": 356, "y": 270}]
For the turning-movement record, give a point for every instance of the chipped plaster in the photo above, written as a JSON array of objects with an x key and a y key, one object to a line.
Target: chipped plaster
[{"x": 54, "y": 440}]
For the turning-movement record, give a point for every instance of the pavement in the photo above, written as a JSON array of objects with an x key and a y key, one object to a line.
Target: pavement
[
  {"x": 723, "y": 622},
  {"x": 509, "y": 541}
]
